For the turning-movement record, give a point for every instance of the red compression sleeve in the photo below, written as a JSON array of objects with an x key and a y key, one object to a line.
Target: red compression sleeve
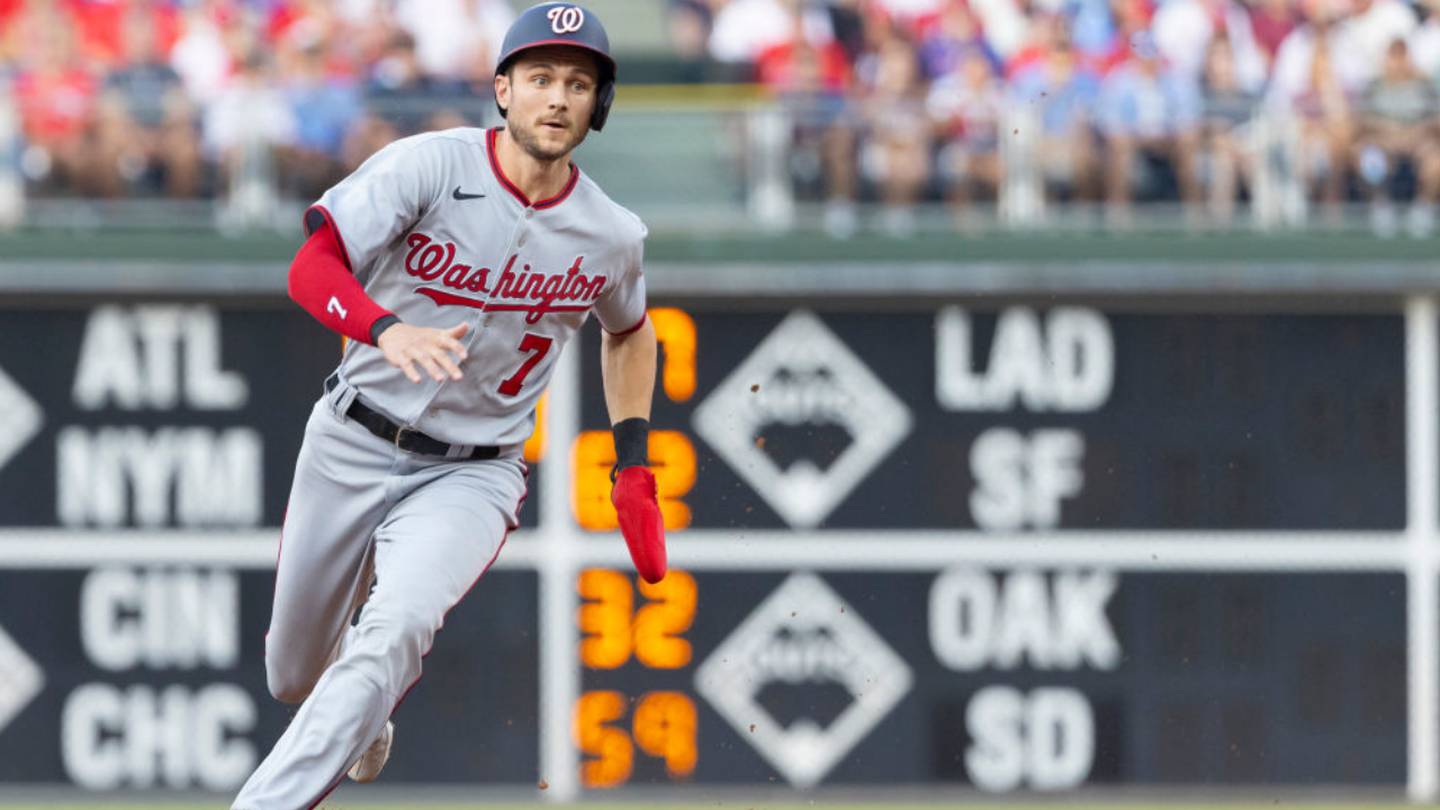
[{"x": 321, "y": 283}]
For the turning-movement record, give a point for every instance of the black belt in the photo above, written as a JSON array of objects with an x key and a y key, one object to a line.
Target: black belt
[{"x": 408, "y": 439}]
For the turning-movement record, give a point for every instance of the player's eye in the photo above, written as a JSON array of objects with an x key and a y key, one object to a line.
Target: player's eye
[
  {"x": 541, "y": 80},
  {"x": 579, "y": 87}
]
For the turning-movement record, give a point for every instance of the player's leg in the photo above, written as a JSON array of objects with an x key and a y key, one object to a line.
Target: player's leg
[
  {"x": 431, "y": 548},
  {"x": 336, "y": 502}
]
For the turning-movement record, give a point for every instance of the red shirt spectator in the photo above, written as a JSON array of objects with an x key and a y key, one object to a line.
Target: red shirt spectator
[
  {"x": 1272, "y": 21},
  {"x": 8, "y": 10},
  {"x": 55, "y": 104},
  {"x": 777, "y": 68},
  {"x": 99, "y": 25}
]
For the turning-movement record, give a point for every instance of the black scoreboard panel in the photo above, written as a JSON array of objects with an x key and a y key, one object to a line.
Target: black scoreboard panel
[
  {"x": 1000, "y": 679},
  {"x": 131, "y": 676},
  {"x": 208, "y": 403},
  {"x": 1015, "y": 418}
]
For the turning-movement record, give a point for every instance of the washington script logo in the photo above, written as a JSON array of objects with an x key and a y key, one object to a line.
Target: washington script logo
[{"x": 430, "y": 260}]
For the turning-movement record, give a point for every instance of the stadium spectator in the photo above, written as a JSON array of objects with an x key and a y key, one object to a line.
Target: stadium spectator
[
  {"x": 966, "y": 106},
  {"x": 1006, "y": 24},
  {"x": 787, "y": 64},
  {"x": 744, "y": 29},
  {"x": 1059, "y": 90},
  {"x": 1398, "y": 127},
  {"x": 904, "y": 94},
  {"x": 1227, "y": 130},
  {"x": 1184, "y": 30},
  {"x": 1148, "y": 111},
  {"x": 1048, "y": 33},
  {"x": 323, "y": 107},
  {"x": 955, "y": 38},
  {"x": 212, "y": 35},
  {"x": 56, "y": 97},
  {"x": 400, "y": 94},
  {"x": 848, "y": 25},
  {"x": 1308, "y": 85},
  {"x": 145, "y": 136},
  {"x": 1425, "y": 41},
  {"x": 1271, "y": 21},
  {"x": 452, "y": 34},
  {"x": 100, "y": 26},
  {"x": 911, "y": 13},
  {"x": 689, "y": 24},
  {"x": 811, "y": 82},
  {"x": 250, "y": 124},
  {"x": 1091, "y": 25},
  {"x": 1132, "y": 22},
  {"x": 1364, "y": 36},
  {"x": 895, "y": 151}
]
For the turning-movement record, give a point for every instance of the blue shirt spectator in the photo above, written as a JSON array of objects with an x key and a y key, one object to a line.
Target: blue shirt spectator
[
  {"x": 324, "y": 106},
  {"x": 1145, "y": 99},
  {"x": 1061, "y": 87}
]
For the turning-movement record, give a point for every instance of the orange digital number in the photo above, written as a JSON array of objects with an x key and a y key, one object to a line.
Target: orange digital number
[
  {"x": 665, "y": 728},
  {"x": 610, "y": 756},
  {"x": 672, "y": 457},
  {"x": 658, "y": 625},
  {"x": 535, "y": 445},
  {"x": 605, "y": 618},
  {"x": 675, "y": 332},
  {"x": 612, "y": 629}
]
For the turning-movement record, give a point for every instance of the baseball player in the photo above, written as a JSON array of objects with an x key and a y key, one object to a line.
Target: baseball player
[{"x": 459, "y": 263}]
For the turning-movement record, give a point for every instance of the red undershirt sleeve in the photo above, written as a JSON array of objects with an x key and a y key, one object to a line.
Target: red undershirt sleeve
[{"x": 322, "y": 284}]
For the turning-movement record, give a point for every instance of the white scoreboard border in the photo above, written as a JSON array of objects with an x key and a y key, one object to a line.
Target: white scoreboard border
[{"x": 557, "y": 550}]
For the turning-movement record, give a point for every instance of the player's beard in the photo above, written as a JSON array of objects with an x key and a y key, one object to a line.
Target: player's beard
[{"x": 528, "y": 139}]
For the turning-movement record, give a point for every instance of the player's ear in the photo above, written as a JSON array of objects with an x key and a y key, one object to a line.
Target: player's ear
[{"x": 502, "y": 91}]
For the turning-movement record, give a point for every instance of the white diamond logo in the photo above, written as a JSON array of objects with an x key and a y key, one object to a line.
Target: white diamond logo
[
  {"x": 803, "y": 634},
  {"x": 20, "y": 418},
  {"x": 20, "y": 679},
  {"x": 802, "y": 374}
]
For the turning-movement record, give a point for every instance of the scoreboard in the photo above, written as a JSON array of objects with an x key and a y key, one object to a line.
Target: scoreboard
[
  {"x": 1075, "y": 427},
  {"x": 1022, "y": 418},
  {"x": 1009, "y": 680},
  {"x": 970, "y": 543}
]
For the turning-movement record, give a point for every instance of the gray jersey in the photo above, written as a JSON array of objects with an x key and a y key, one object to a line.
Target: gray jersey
[{"x": 438, "y": 235}]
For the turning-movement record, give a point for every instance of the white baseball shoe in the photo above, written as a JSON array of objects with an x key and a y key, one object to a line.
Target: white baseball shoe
[{"x": 367, "y": 768}]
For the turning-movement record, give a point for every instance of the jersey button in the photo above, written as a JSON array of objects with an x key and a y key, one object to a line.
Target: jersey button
[{"x": 529, "y": 213}]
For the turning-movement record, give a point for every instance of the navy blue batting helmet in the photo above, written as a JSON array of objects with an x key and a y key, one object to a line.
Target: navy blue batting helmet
[{"x": 564, "y": 24}]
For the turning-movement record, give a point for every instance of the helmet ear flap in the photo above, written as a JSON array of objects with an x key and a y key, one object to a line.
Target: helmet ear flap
[{"x": 604, "y": 97}]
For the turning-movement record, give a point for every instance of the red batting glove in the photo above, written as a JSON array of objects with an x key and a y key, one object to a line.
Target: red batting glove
[{"x": 640, "y": 521}]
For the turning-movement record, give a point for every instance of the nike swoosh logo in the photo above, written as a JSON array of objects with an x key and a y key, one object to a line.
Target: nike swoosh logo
[{"x": 460, "y": 195}]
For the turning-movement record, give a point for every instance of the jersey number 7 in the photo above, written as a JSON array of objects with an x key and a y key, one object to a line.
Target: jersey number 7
[{"x": 540, "y": 346}]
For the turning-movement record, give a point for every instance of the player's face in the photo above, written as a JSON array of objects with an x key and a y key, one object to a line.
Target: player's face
[{"x": 549, "y": 93}]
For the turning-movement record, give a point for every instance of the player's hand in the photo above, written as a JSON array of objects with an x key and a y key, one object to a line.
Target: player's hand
[
  {"x": 640, "y": 521},
  {"x": 437, "y": 351}
]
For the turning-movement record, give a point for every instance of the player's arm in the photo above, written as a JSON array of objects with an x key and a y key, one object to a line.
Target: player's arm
[
  {"x": 627, "y": 366},
  {"x": 361, "y": 217},
  {"x": 322, "y": 283}
]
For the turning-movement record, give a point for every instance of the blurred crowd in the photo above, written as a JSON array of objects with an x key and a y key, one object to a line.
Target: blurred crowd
[
  {"x": 121, "y": 98},
  {"x": 1099, "y": 100},
  {"x": 891, "y": 101}
]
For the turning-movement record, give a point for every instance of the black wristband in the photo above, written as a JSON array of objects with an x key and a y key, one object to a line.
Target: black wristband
[
  {"x": 381, "y": 324},
  {"x": 632, "y": 444}
]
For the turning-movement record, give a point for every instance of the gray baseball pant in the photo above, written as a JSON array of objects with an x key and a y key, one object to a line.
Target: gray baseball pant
[{"x": 428, "y": 528}]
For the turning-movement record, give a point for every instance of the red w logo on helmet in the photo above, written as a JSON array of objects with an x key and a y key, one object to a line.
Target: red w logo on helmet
[{"x": 566, "y": 19}]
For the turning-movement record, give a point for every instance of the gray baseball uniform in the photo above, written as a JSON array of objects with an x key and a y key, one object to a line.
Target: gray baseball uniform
[{"x": 436, "y": 234}]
